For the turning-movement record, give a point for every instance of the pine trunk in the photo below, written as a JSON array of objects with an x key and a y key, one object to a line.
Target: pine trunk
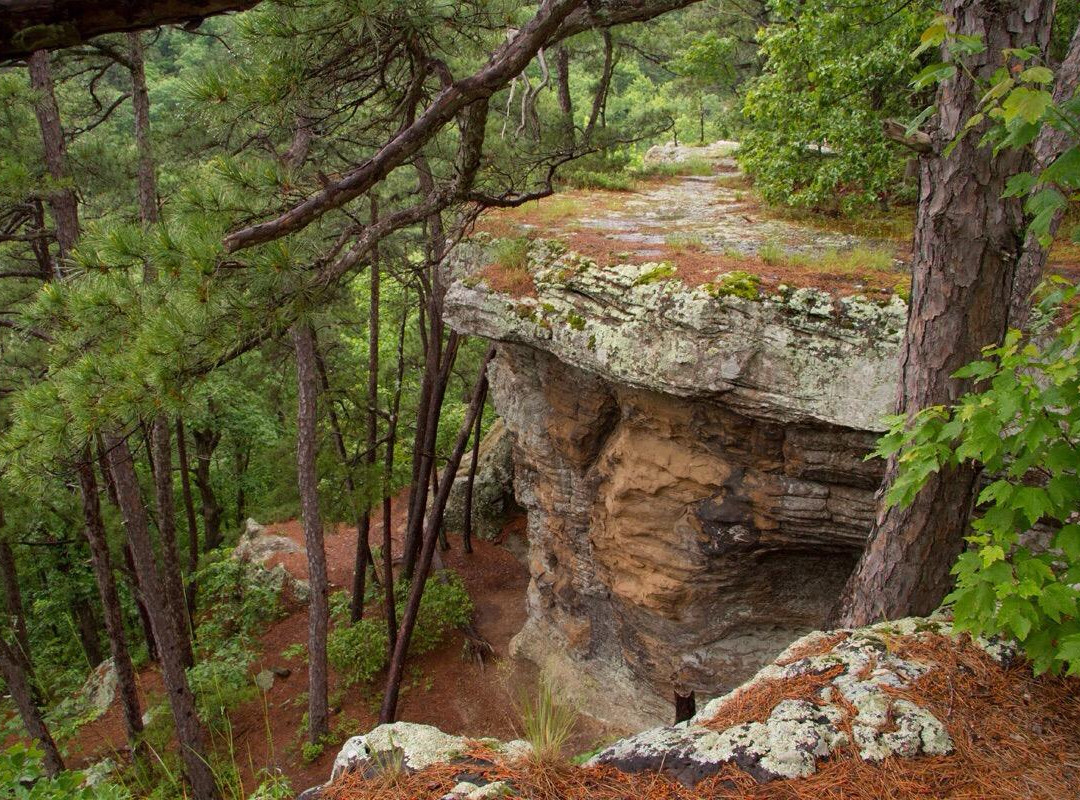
[
  {"x": 101, "y": 563},
  {"x": 318, "y": 609},
  {"x": 189, "y": 513},
  {"x": 172, "y": 650},
  {"x": 968, "y": 242},
  {"x": 18, "y": 685}
]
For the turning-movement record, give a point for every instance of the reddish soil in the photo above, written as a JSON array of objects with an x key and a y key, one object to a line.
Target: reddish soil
[{"x": 443, "y": 689}]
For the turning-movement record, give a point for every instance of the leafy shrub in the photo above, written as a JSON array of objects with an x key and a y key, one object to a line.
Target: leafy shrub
[
  {"x": 445, "y": 606},
  {"x": 242, "y": 597},
  {"x": 604, "y": 181},
  {"x": 1023, "y": 428},
  {"x": 358, "y": 651},
  {"x": 22, "y": 776},
  {"x": 220, "y": 680}
]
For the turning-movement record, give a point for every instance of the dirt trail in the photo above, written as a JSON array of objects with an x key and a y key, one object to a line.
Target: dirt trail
[{"x": 443, "y": 689}]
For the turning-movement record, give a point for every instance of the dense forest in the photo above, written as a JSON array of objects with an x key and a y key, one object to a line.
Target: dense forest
[{"x": 228, "y": 232}]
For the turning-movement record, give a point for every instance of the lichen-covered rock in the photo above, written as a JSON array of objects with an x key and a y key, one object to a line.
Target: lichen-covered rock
[
  {"x": 693, "y": 468},
  {"x": 98, "y": 691},
  {"x": 493, "y": 486},
  {"x": 865, "y": 673},
  {"x": 406, "y": 744},
  {"x": 257, "y": 546},
  {"x": 671, "y": 153}
]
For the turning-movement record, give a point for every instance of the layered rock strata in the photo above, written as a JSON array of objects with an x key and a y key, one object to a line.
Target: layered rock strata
[{"x": 692, "y": 464}]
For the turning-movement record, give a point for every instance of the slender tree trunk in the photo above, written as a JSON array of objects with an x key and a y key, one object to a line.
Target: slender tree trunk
[
  {"x": 206, "y": 441},
  {"x": 600, "y": 98},
  {"x": 363, "y": 547},
  {"x": 388, "y": 712},
  {"x": 140, "y": 101},
  {"x": 88, "y": 630},
  {"x": 388, "y": 484},
  {"x": 968, "y": 242},
  {"x": 61, "y": 199},
  {"x": 562, "y": 85},
  {"x": 189, "y": 728},
  {"x": 101, "y": 563},
  {"x": 19, "y": 686},
  {"x": 318, "y": 610},
  {"x": 140, "y": 603},
  {"x": 13, "y": 597},
  {"x": 189, "y": 513},
  {"x": 467, "y": 528},
  {"x": 166, "y": 519}
]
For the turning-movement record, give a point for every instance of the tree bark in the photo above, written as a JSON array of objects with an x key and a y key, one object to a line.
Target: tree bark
[
  {"x": 140, "y": 101},
  {"x": 600, "y": 98},
  {"x": 562, "y": 85},
  {"x": 29, "y": 24},
  {"x": 189, "y": 513},
  {"x": 61, "y": 198},
  {"x": 388, "y": 484},
  {"x": 189, "y": 728},
  {"x": 13, "y": 597},
  {"x": 388, "y": 712},
  {"x": 318, "y": 609},
  {"x": 206, "y": 441},
  {"x": 140, "y": 604},
  {"x": 166, "y": 521},
  {"x": 12, "y": 667},
  {"x": 101, "y": 563},
  {"x": 967, "y": 244},
  {"x": 466, "y": 532},
  {"x": 1050, "y": 144}
]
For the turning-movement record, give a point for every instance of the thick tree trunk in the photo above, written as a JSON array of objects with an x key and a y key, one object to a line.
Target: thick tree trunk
[
  {"x": 206, "y": 441},
  {"x": 318, "y": 609},
  {"x": 18, "y": 683},
  {"x": 388, "y": 712},
  {"x": 189, "y": 728},
  {"x": 967, "y": 245},
  {"x": 189, "y": 513},
  {"x": 166, "y": 519},
  {"x": 61, "y": 199},
  {"x": 101, "y": 563}
]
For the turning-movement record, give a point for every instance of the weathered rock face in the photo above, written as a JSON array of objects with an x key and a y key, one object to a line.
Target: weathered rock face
[
  {"x": 493, "y": 486},
  {"x": 693, "y": 469}
]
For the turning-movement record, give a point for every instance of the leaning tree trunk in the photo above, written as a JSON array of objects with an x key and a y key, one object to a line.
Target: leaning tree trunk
[
  {"x": 189, "y": 514},
  {"x": 467, "y": 525},
  {"x": 18, "y": 684},
  {"x": 968, "y": 241},
  {"x": 13, "y": 597},
  {"x": 388, "y": 712},
  {"x": 171, "y": 647},
  {"x": 318, "y": 608},
  {"x": 100, "y": 561},
  {"x": 388, "y": 483}
]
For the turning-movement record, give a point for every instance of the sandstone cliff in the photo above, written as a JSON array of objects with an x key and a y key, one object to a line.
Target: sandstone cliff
[{"x": 692, "y": 464}]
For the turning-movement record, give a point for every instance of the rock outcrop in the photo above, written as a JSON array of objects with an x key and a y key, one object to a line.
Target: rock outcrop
[
  {"x": 876, "y": 695},
  {"x": 493, "y": 486},
  {"x": 692, "y": 464}
]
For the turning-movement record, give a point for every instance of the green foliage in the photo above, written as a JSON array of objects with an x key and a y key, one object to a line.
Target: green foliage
[
  {"x": 446, "y": 605},
  {"x": 357, "y": 651},
  {"x": 221, "y": 681},
  {"x": 832, "y": 74},
  {"x": 512, "y": 254},
  {"x": 242, "y": 598},
  {"x": 22, "y": 777},
  {"x": 575, "y": 321},
  {"x": 1021, "y": 426}
]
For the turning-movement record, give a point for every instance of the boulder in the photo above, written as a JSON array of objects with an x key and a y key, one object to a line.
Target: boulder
[
  {"x": 493, "y": 487},
  {"x": 97, "y": 693},
  {"x": 406, "y": 745},
  {"x": 671, "y": 153},
  {"x": 258, "y": 546}
]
